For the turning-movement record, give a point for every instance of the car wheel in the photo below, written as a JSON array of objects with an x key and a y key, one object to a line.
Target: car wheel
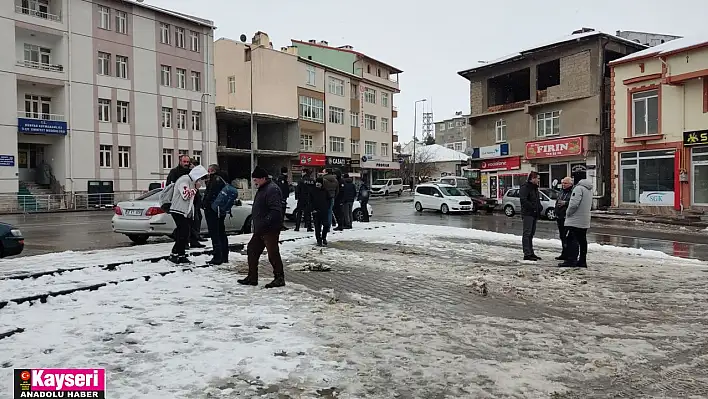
[
  {"x": 138, "y": 239},
  {"x": 2, "y": 251},
  {"x": 418, "y": 207},
  {"x": 509, "y": 210},
  {"x": 551, "y": 214},
  {"x": 444, "y": 209},
  {"x": 358, "y": 215},
  {"x": 474, "y": 207},
  {"x": 247, "y": 226}
]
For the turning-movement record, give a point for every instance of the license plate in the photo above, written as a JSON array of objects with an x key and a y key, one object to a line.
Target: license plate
[
  {"x": 465, "y": 207},
  {"x": 134, "y": 212}
]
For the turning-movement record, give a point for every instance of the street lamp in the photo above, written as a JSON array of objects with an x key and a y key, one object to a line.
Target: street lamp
[
  {"x": 415, "y": 128},
  {"x": 253, "y": 131}
]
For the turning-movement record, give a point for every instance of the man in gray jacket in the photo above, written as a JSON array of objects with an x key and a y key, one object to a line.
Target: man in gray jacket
[{"x": 577, "y": 221}]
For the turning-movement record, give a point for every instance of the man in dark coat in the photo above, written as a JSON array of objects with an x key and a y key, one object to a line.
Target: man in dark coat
[
  {"x": 531, "y": 209},
  {"x": 302, "y": 195},
  {"x": 560, "y": 209},
  {"x": 267, "y": 215},
  {"x": 338, "y": 209},
  {"x": 319, "y": 199},
  {"x": 363, "y": 197},
  {"x": 180, "y": 170},
  {"x": 284, "y": 190},
  {"x": 331, "y": 185},
  {"x": 215, "y": 222},
  {"x": 348, "y": 197}
]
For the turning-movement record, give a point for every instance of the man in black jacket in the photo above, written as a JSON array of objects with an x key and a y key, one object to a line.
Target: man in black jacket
[
  {"x": 338, "y": 210},
  {"x": 320, "y": 210},
  {"x": 215, "y": 222},
  {"x": 180, "y": 170},
  {"x": 561, "y": 208},
  {"x": 284, "y": 190},
  {"x": 363, "y": 197},
  {"x": 348, "y": 197},
  {"x": 267, "y": 217},
  {"x": 304, "y": 204},
  {"x": 531, "y": 209}
]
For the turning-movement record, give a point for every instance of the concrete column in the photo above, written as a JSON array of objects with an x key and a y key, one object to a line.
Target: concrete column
[{"x": 533, "y": 80}]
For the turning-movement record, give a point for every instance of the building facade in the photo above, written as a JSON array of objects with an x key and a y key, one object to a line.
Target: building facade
[
  {"x": 454, "y": 132},
  {"x": 544, "y": 109},
  {"x": 104, "y": 91},
  {"x": 646, "y": 38},
  {"x": 660, "y": 128}
]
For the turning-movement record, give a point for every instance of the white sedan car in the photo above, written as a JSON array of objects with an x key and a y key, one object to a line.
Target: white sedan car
[
  {"x": 357, "y": 214},
  {"x": 143, "y": 218}
]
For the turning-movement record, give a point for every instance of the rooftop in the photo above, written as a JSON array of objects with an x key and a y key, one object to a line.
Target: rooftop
[
  {"x": 434, "y": 153},
  {"x": 190, "y": 18},
  {"x": 346, "y": 49},
  {"x": 668, "y": 48}
]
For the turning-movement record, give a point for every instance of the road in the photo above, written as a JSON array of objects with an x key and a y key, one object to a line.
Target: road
[{"x": 80, "y": 231}]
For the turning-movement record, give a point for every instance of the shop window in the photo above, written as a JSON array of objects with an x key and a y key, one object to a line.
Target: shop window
[
  {"x": 647, "y": 177},
  {"x": 699, "y": 180}
]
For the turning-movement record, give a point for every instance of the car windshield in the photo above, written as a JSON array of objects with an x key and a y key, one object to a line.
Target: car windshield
[
  {"x": 452, "y": 192},
  {"x": 474, "y": 192},
  {"x": 149, "y": 195},
  {"x": 380, "y": 182},
  {"x": 463, "y": 183},
  {"x": 551, "y": 193}
]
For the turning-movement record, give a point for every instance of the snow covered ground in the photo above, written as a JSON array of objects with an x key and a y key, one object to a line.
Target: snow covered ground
[{"x": 406, "y": 311}]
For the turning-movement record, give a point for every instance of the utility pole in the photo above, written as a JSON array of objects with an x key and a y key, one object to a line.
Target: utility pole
[{"x": 415, "y": 129}]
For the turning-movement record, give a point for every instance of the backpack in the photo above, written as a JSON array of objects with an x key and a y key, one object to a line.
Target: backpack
[
  {"x": 165, "y": 199},
  {"x": 225, "y": 199}
]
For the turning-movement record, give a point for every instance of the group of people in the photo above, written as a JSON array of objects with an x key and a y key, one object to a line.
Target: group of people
[{"x": 573, "y": 215}]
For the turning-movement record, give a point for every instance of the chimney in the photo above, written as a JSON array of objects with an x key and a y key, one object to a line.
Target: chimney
[
  {"x": 313, "y": 41},
  {"x": 284, "y": 49},
  {"x": 346, "y": 47},
  {"x": 261, "y": 39},
  {"x": 270, "y": 44},
  {"x": 324, "y": 42},
  {"x": 583, "y": 30}
]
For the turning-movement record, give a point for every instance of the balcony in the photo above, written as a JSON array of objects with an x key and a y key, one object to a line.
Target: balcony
[
  {"x": 394, "y": 112},
  {"x": 42, "y": 11},
  {"x": 394, "y": 138},
  {"x": 40, "y": 65},
  {"x": 41, "y": 123},
  {"x": 388, "y": 82},
  {"x": 312, "y": 149}
]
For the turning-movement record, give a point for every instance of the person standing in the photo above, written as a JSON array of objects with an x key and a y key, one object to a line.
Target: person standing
[
  {"x": 348, "y": 197},
  {"x": 331, "y": 185},
  {"x": 338, "y": 209},
  {"x": 182, "y": 208},
  {"x": 215, "y": 222},
  {"x": 363, "y": 197},
  {"x": 320, "y": 209},
  {"x": 531, "y": 209},
  {"x": 577, "y": 221},
  {"x": 180, "y": 170},
  {"x": 560, "y": 209},
  {"x": 302, "y": 195},
  {"x": 267, "y": 214},
  {"x": 195, "y": 234},
  {"x": 284, "y": 187}
]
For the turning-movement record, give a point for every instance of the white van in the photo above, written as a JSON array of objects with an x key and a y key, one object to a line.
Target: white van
[
  {"x": 441, "y": 197},
  {"x": 387, "y": 186}
]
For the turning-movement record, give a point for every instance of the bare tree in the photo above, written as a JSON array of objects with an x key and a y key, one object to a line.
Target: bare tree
[{"x": 424, "y": 165}]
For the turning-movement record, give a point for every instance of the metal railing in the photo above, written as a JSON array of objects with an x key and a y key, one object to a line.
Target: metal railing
[
  {"x": 36, "y": 13},
  {"x": 41, "y": 116},
  {"x": 395, "y": 108},
  {"x": 313, "y": 149},
  {"x": 40, "y": 65},
  {"x": 16, "y": 203}
]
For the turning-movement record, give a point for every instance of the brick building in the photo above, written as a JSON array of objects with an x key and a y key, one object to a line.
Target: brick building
[
  {"x": 544, "y": 109},
  {"x": 453, "y": 133}
]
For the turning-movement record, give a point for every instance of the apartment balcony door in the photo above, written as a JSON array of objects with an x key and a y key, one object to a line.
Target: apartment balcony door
[{"x": 38, "y": 107}]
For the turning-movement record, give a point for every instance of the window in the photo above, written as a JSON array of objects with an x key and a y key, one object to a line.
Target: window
[
  {"x": 167, "y": 158},
  {"x": 384, "y": 99},
  {"x": 548, "y": 124},
  {"x": 458, "y": 147},
  {"x": 104, "y": 17},
  {"x": 194, "y": 39},
  {"x": 336, "y": 144},
  {"x": 645, "y": 113},
  {"x": 647, "y": 177},
  {"x": 105, "y": 156},
  {"x": 699, "y": 179},
  {"x": 179, "y": 37},
  {"x": 384, "y": 149},
  {"x": 336, "y": 115},
  {"x": 369, "y": 122},
  {"x": 182, "y": 119},
  {"x": 311, "y": 109},
  {"x": 122, "y": 22},
  {"x": 197, "y": 155},
  {"x": 104, "y": 110},
  {"x": 336, "y": 86},
  {"x": 354, "y": 91},
  {"x": 166, "y": 76},
  {"x": 500, "y": 131},
  {"x": 311, "y": 75},
  {"x": 182, "y": 152},
  {"x": 232, "y": 84},
  {"x": 378, "y": 72},
  {"x": 104, "y": 64},
  {"x": 196, "y": 120},
  {"x": 121, "y": 67},
  {"x": 166, "y": 117},
  {"x": 122, "y": 109},
  {"x": 37, "y": 57},
  {"x": 37, "y": 107},
  {"x": 196, "y": 81},
  {"x": 354, "y": 119},
  {"x": 164, "y": 33},
  {"x": 306, "y": 141},
  {"x": 355, "y": 146},
  {"x": 370, "y": 148},
  {"x": 181, "y": 78},
  {"x": 370, "y": 95},
  {"x": 442, "y": 127},
  {"x": 123, "y": 157},
  {"x": 384, "y": 125}
]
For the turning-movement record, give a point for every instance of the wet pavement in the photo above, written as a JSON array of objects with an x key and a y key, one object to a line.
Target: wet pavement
[{"x": 45, "y": 233}]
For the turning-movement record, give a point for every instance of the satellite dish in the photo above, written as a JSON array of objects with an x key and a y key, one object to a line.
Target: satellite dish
[{"x": 243, "y": 38}]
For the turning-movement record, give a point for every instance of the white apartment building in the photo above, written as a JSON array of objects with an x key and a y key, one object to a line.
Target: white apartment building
[{"x": 102, "y": 90}]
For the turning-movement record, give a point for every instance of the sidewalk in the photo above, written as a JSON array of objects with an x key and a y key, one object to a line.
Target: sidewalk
[{"x": 653, "y": 219}]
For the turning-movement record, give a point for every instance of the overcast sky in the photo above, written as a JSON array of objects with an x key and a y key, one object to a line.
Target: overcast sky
[{"x": 432, "y": 40}]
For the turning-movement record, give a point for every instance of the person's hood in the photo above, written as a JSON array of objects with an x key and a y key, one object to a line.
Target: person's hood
[
  {"x": 198, "y": 172},
  {"x": 348, "y": 180},
  {"x": 587, "y": 183}
]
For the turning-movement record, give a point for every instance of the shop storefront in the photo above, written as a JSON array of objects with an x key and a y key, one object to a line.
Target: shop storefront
[
  {"x": 501, "y": 174},
  {"x": 649, "y": 178},
  {"x": 557, "y": 158},
  {"x": 696, "y": 143},
  {"x": 378, "y": 169},
  {"x": 342, "y": 164},
  {"x": 314, "y": 162}
]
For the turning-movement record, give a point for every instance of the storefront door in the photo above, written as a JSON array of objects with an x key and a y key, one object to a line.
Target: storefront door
[
  {"x": 629, "y": 185},
  {"x": 699, "y": 178},
  {"x": 493, "y": 189}
]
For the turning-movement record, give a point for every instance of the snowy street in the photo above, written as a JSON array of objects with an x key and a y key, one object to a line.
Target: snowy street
[{"x": 386, "y": 311}]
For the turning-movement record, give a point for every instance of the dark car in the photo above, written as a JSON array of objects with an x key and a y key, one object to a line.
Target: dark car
[
  {"x": 480, "y": 201},
  {"x": 11, "y": 240}
]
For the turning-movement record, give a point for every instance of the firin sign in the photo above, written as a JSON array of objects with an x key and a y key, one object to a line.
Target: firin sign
[{"x": 60, "y": 383}]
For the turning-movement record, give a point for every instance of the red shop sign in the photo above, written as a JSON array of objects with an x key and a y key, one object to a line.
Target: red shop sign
[
  {"x": 501, "y": 164},
  {"x": 312, "y": 159},
  {"x": 554, "y": 148}
]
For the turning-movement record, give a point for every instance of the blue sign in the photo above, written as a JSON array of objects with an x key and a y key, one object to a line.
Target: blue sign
[
  {"x": 401, "y": 160},
  {"x": 493, "y": 151},
  {"x": 41, "y": 126},
  {"x": 7, "y": 160}
]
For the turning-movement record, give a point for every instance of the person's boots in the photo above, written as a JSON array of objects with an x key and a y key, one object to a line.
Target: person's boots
[
  {"x": 324, "y": 238},
  {"x": 318, "y": 237},
  {"x": 582, "y": 262},
  {"x": 249, "y": 280},
  {"x": 278, "y": 281}
]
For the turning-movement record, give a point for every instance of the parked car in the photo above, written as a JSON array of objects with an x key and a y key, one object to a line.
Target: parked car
[
  {"x": 441, "y": 197},
  {"x": 11, "y": 240},
  {"x": 511, "y": 203},
  {"x": 357, "y": 214},
  {"x": 143, "y": 218},
  {"x": 479, "y": 201},
  {"x": 387, "y": 186}
]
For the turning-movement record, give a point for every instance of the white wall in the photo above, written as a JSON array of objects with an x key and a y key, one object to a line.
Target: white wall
[
  {"x": 379, "y": 111},
  {"x": 344, "y": 102}
]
